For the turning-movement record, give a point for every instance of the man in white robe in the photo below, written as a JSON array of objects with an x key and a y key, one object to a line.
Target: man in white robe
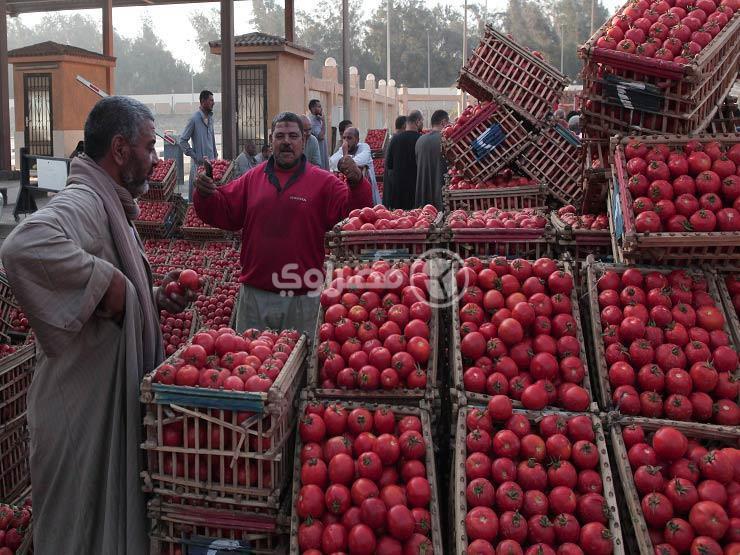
[{"x": 78, "y": 269}]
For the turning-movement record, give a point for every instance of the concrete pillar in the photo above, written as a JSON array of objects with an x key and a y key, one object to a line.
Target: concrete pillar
[
  {"x": 110, "y": 85},
  {"x": 5, "y": 163},
  {"x": 228, "y": 86},
  {"x": 370, "y": 88}
]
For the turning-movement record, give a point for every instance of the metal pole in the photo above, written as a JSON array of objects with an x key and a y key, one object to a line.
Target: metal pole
[
  {"x": 228, "y": 87},
  {"x": 5, "y": 162},
  {"x": 465, "y": 44},
  {"x": 429, "y": 66},
  {"x": 562, "y": 45},
  {"x": 345, "y": 61},
  {"x": 593, "y": 7},
  {"x": 388, "y": 42}
]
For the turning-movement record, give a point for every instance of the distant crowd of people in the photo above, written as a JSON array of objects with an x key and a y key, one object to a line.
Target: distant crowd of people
[{"x": 414, "y": 166}]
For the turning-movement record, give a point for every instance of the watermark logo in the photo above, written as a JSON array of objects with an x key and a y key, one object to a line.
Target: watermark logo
[{"x": 440, "y": 266}]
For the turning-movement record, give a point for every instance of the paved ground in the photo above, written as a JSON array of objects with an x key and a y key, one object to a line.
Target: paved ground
[{"x": 7, "y": 222}]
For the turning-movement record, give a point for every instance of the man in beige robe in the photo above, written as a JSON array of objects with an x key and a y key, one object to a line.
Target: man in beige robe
[{"x": 78, "y": 269}]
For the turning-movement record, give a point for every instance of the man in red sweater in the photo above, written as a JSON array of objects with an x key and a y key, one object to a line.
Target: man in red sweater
[{"x": 283, "y": 208}]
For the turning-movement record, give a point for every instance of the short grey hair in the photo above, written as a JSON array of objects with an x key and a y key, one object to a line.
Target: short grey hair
[
  {"x": 287, "y": 117},
  {"x": 111, "y": 116}
]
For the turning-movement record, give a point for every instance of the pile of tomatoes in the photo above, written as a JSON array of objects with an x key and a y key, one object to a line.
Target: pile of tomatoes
[
  {"x": 153, "y": 211},
  {"x": 378, "y": 166},
  {"x": 175, "y": 329},
  {"x": 495, "y": 218},
  {"x": 364, "y": 483},
  {"x": 375, "y": 138},
  {"x": 518, "y": 334},
  {"x": 192, "y": 219},
  {"x": 19, "y": 321},
  {"x": 532, "y": 490},
  {"x": 376, "y": 327},
  {"x": 666, "y": 30},
  {"x": 6, "y": 349},
  {"x": 690, "y": 494},
  {"x": 160, "y": 169},
  {"x": 732, "y": 282},
  {"x": 224, "y": 359},
  {"x": 502, "y": 180},
  {"x": 470, "y": 113},
  {"x": 696, "y": 188},
  {"x": 215, "y": 309},
  {"x": 380, "y": 218},
  {"x": 219, "y": 168},
  {"x": 596, "y": 222},
  {"x": 15, "y": 522},
  {"x": 666, "y": 349}
]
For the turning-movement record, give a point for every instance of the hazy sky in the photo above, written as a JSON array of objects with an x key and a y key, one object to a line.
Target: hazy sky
[{"x": 173, "y": 24}]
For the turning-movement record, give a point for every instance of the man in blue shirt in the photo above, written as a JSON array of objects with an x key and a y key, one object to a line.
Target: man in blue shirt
[
  {"x": 318, "y": 130},
  {"x": 199, "y": 132}
]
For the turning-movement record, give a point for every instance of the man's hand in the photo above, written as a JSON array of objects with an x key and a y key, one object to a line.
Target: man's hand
[
  {"x": 345, "y": 148},
  {"x": 172, "y": 303},
  {"x": 349, "y": 168},
  {"x": 204, "y": 185},
  {"x": 113, "y": 303}
]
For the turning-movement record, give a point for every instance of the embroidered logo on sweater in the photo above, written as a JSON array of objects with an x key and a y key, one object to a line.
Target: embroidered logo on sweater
[{"x": 302, "y": 199}]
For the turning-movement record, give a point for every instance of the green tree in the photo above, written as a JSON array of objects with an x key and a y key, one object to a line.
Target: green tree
[
  {"x": 573, "y": 21},
  {"x": 529, "y": 22},
  {"x": 268, "y": 17},
  {"x": 321, "y": 30},
  {"x": 411, "y": 20},
  {"x": 207, "y": 27}
]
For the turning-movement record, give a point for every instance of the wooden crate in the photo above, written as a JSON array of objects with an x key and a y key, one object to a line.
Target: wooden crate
[
  {"x": 396, "y": 396},
  {"x": 719, "y": 248},
  {"x": 676, "y": 98},
  {"x": 723, "y": 435},
  {"x": 258, "y": 426},
  {"x": 554, "y": 158},
  {"x": 161, "y": 190},
  {"x": 456, "y": 362},
  {"x": 392, "y": 242},
  {"x": 594, "y": 270},
  {"x": 501, "y": 67},
  {"x": 202, "y": 233},
  {"x": 459, "y": 481},
  {"x": 580, "y": 243},
  {"x": 732, "y": 318},
  {"x": 505, "y": 198},
  {"x": 488, "y": 142},
  {"x": 429, "y": 461},
  {"x": 380, "y": 145},
  {"x": 196, "y": 528},
  {"x": 512, "y": 243},
  {"x": 597, "y": 173},
  {"x": 16, "y": 373},
  {"x": 166, "y": 227},
  {"x": 15, "y": 475}
]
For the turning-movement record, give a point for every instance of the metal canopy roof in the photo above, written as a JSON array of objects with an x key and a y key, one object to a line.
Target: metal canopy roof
[{"x": 16, "y": 7}]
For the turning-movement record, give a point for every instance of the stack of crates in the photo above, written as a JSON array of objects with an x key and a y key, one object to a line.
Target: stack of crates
[
  {"x": 218, "y": 462},
  {"x": 16, "y": 371},
  {"x": 517, "y": 126}
]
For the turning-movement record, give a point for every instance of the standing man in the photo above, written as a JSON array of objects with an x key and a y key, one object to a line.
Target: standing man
[
  {"x": 264, "y": 154},
  {"x": 341, "y": 127},
  {"x": 78, "y": 269},
  {"x": 199, "y": 132},
  {"x": 360, "y": 153},
  {"x": 318, "y": 130},
  {"x": 431, "y": 166},
  {"x": 310, "y": 143},
  {"x": 400, "y": 164},
  {"x": 283, "y": 209},
  {"x": 247, "y": 158},
  {"x": 400, "y": 125}
]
